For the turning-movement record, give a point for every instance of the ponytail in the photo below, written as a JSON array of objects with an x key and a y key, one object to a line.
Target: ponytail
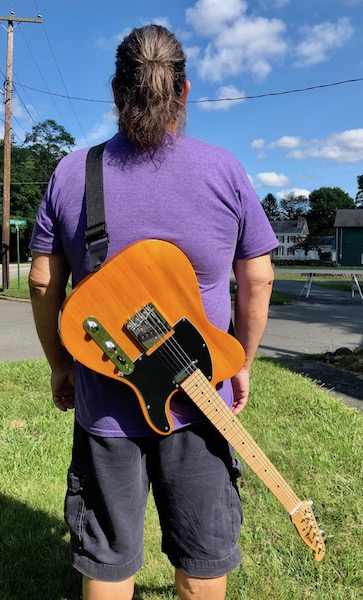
[{"x": 148, "y": 85}]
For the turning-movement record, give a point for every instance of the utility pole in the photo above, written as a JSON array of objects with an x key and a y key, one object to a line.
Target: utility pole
[{"x": 5, "y": 249}]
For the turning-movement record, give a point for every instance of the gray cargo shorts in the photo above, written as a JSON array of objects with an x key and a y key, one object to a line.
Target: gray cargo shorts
[{"x": 193, "y": 477}]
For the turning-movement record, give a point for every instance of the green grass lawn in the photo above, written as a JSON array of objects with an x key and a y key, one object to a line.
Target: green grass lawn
[
  {"x": 311, "y": 437},
  {"x": 15, "y": 291}
]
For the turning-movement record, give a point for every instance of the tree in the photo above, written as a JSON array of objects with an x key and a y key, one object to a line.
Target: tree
[
  {"x": 324, "y": 203},
  {"x": 31, "y": 167},
  {"x": 271, "y": 207},
  {"x": 48, "y": 142},
  {"x": 310, "y": 242},
  {"x": 24, "y": 195},
  {"x": 359, "y": 196},
  {"x": 293, "y": 206}
]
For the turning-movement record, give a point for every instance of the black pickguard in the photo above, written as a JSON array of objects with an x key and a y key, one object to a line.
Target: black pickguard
[{"x": 154, "y": 374}]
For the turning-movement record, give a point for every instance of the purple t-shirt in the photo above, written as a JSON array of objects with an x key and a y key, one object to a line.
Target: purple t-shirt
[{"x": 194, "y": 195}]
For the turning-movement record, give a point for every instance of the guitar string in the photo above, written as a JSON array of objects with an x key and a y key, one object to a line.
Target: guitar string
[
  {"x": 178, "y": 354},
  {"x": 174, "y": 357}
]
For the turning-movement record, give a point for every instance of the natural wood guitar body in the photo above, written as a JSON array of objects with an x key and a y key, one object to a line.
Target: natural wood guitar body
[
  {"x": 140, "y": 320},
  {"x": 153, "y": 271}
]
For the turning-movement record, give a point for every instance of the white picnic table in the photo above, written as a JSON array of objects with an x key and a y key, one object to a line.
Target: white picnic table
[{"x": 346, "y": 273}]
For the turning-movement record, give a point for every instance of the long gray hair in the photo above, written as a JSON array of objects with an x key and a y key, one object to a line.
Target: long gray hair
[{"x": 148, "y": 85}]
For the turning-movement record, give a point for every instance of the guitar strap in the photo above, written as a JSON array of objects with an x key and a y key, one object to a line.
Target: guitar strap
[{"x": 96, "y": 236}]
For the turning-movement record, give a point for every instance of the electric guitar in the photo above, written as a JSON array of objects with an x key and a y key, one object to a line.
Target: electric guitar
[{"x": 140, "y": 320}]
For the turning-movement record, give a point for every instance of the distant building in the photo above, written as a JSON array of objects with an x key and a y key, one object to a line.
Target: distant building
[
  {"x": 288, "y": 234},
  {"x": 327, "y": 247},
  {"x": 349, "y": 236}
]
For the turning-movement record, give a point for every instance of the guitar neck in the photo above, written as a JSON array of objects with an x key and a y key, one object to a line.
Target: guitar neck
[{"x": 202, "y": 393}]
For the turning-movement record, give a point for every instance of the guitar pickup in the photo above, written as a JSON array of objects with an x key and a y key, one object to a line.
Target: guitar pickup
[
  {"x": 109, "y": 346},
  {"x": 148, "y": 326}
]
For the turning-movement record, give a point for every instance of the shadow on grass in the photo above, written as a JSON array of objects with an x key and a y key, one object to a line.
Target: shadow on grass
[
  {"x": 34, "y": 555},
  {"x": 345, "y": 384},
  {"x": 35, "y": 558}
]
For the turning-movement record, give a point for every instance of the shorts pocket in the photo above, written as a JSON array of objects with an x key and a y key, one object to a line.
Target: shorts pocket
[{"x": 75, "y": 507}]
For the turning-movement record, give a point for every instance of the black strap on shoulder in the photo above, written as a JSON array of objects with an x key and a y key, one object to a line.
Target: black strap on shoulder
[{"x": 96, "y": 236}]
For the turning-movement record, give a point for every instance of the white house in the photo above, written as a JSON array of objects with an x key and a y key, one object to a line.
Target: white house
[{"x": 288, "y": 234}]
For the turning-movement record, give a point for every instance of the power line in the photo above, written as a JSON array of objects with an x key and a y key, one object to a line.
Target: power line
[
  {"x": 25, "y": 92},
  {"x": 252, "y": 97},
  {"x": 60, "y": 75},
  {"x": 25, "y": 107},
  {"x": 270, "y": 94},
  {"x": 12, "y": 130},
  {"x": 28, "y": 87},
  {"x": 44, "y": 81},
  {"x": 29, "y": 182}
]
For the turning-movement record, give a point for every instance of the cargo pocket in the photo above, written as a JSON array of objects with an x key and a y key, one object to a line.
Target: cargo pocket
[{"x": 75, "y": 507}]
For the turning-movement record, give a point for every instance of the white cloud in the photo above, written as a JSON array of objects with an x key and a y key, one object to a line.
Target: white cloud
[
  {"x": 192, "y": 53},
  {"x": 163, "y": 21},
  {"x": 250, "y": 179},
  {"x": 209, "y": 16},
  {"x": 183, "y": 35},
  {"x": 100, "y": 131},
  {"x": 112, "y": 42},
  {"x": 273, "y": 3},
  {"x": 296, "y": 191},
  {"x": 258, "y": 143},
  {"x": 286, "y": 141},
  {"x": 25, "y": 115},
  {"x": 222, "y": 95},
  {"x": 19, "y": 110},
  {"x": 321, "y": 38},
  {"x": 272, "y": 179},
  {"x": 345, "y": 147},
  {"x": 238, "y": 42}
]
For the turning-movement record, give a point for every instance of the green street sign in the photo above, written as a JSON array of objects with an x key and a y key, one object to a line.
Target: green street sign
[{"x": 17, "y": 222}]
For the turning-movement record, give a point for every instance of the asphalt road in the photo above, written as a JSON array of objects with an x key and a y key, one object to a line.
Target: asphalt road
[
  {"x": 18, "y": 337},
  {"x": 325, "y": 321}
]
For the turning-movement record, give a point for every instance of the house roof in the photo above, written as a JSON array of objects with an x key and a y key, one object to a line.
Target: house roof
[
  {"x": 349, "y": 217},
  {"x": 288, "y": 227}
]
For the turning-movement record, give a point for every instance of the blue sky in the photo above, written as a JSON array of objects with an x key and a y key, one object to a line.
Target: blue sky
[{"x": 236, "y": 49}]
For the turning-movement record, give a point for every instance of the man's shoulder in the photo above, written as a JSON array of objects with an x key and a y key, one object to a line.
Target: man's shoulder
[
  {"x": 206, "y": 147},
  {"x": 71, "y": 160},
  {"x": 78, "y": 157},
  {"x": 211, "y": 155}
]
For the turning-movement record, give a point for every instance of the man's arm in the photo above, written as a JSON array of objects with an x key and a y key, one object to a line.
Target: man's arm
[
  {"x": 254, "y": 278},
  {"x": 48, "y": 278}
]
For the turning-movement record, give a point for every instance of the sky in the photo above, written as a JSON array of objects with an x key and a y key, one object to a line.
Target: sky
[{"x": 247, "y": 62}]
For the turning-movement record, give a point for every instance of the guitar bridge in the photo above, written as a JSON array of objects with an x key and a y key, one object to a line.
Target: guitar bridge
[{"x": 148, "y": 326}]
